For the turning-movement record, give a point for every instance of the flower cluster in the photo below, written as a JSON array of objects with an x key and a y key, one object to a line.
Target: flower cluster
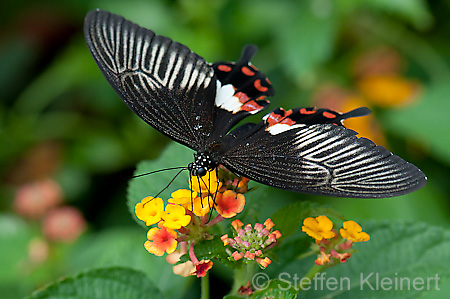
[
  {"x": 250, "y": 242},
  {"x": 186, "y": 218},
  {"x": 332, "y": 247}
]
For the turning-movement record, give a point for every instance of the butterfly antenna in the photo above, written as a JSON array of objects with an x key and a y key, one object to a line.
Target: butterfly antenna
[
  {"x": 184, "y": 168},
  {"x": 164, "y": 169},
  {"x": 215, "y": 195}
]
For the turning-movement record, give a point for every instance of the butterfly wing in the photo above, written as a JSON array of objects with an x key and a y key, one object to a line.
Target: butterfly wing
[
  {"x": 163, "y": 82},
  {"x": 322, "y": 157},
  {"x": 243, "y": 91}
]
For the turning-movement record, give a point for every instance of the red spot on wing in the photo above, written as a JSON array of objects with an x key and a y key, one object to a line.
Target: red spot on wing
[
  {"x": 259, "y": 87},
  {"x": 242, "y": 97},
  {"x": 304, "y": 111},
  {"x": 287, "y": 121},
  {"x": 328, "y": 114},
  {"x": 247, "y": 71},
  {"x": 224, "y": 68},
  {"x": 274, "y": 118},
  {"x": 251, "y": 106}
]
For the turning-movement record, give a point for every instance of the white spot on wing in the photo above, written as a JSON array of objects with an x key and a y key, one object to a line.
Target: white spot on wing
[
  {"x": 280, "y": 128},
  {"x": 225, "y": 98}
]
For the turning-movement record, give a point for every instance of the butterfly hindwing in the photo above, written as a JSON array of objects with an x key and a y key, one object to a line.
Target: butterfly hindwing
[
  {"x": 322, "y": 158},
  {"x": 244, "y": 91},
  {"x": 162, "y": 81}
]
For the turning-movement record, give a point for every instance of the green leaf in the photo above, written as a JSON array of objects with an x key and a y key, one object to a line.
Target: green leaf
[
  {"x": 398, "y": 253},
  {"x": 289, "y": 218},
  {"x": 124, "y": 247},
  {"x": 115, "y": 282},
  {"x": 269, "y": 289},
  {"x": 275, "y": 289},
  {"x": 305, "y": 36},
  {"x": 14, "y": 238},
  {"x": 174, "y": 155}
]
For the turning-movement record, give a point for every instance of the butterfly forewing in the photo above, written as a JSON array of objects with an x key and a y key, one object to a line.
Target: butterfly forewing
[
  {"x": 162, "y": 81},
  {"x": 324, "y": 159}
]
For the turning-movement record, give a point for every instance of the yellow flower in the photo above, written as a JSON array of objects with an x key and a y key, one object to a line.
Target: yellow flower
[
  {"x": 205, "y": 184},
  {"x": 353, "y": 232},
  {"x": 388, "y": 90},
  {"x": 175, "y": 217},
  {"x": 202, "y": 206},
  {"x": 319, "y": 228},
  {"x": 183, "y": 197},
  {"x": 149, "y": 210}
]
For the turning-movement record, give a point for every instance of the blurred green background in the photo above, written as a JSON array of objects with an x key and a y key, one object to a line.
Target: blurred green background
[{"x": 66, "y": 135}]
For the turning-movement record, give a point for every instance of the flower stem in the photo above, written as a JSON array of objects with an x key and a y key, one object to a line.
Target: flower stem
[
  {"x": 310, "y": 275},
  {"x": 205, "y": 287},
  {"x": 242, "y": 276}
]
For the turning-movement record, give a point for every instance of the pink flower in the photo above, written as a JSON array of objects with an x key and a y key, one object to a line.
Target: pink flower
[{"x": 64, "y": 224}]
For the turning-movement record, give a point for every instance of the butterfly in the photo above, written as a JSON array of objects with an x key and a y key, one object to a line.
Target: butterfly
[{"x": 198, "y": 104}]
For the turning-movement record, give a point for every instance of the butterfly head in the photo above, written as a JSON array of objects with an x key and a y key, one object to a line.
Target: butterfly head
[{"x": 201, "y": 165}]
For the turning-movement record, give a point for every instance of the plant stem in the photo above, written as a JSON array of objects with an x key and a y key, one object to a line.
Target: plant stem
[
  {"x": 205, "y": 286},
  {"x": 242, "y": 276},
  {"x": 310, "y": 275}
]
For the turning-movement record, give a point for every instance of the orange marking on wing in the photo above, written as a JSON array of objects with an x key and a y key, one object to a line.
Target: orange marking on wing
[
  {"x": 328, "y": 114},
  {"x": 259, "y": 87},
  {"x": 287, "y": 121},
  {"x": 242, "y": 97},
  {"x": 247, "y": 71},
  {"x": 273, "y": 119},
  {"x": 251, "y": 106},
  {"x": 224, "y": 68},
  {"x": 304, "y": 111}
]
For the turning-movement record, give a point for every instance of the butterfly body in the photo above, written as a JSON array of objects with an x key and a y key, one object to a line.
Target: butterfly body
[{"x": 199, "y": 104}]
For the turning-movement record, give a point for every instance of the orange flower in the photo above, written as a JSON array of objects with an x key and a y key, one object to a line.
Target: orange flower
[
  {"x": 268, "y": 224},
  {"x": 230, "y": 203},
  {"x": 388, "y": 90},
  {"x": 264, "y": 262},
  {"x": 202, "y": 268},
  {"x": 323, "y": 257},
  {"x": 352, "y": 231},
  {"x": 149, "y": 210},
  {"x": 237, "y": 224},
  {"x": 161, "y": 240},
  {"x": 319, "y": 228}
]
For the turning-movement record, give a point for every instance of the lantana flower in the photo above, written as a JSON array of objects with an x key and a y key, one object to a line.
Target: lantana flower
[
  {"x": 175, "y": 217},
  {"x": 230, "y": 203},
  {"x": 250, "y": 243},
  {"x": 149, "y": 210},
  {"x": 161, "y": 240},
  {"x": 183, "y": 197},
  {"x": 352, "y": 231},
  {"x": 319, "y": 228},
  {"x": 336, "y": 249}
]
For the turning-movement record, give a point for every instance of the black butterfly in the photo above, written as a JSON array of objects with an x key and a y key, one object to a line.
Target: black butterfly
[{"x": 197, "y": 103}]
